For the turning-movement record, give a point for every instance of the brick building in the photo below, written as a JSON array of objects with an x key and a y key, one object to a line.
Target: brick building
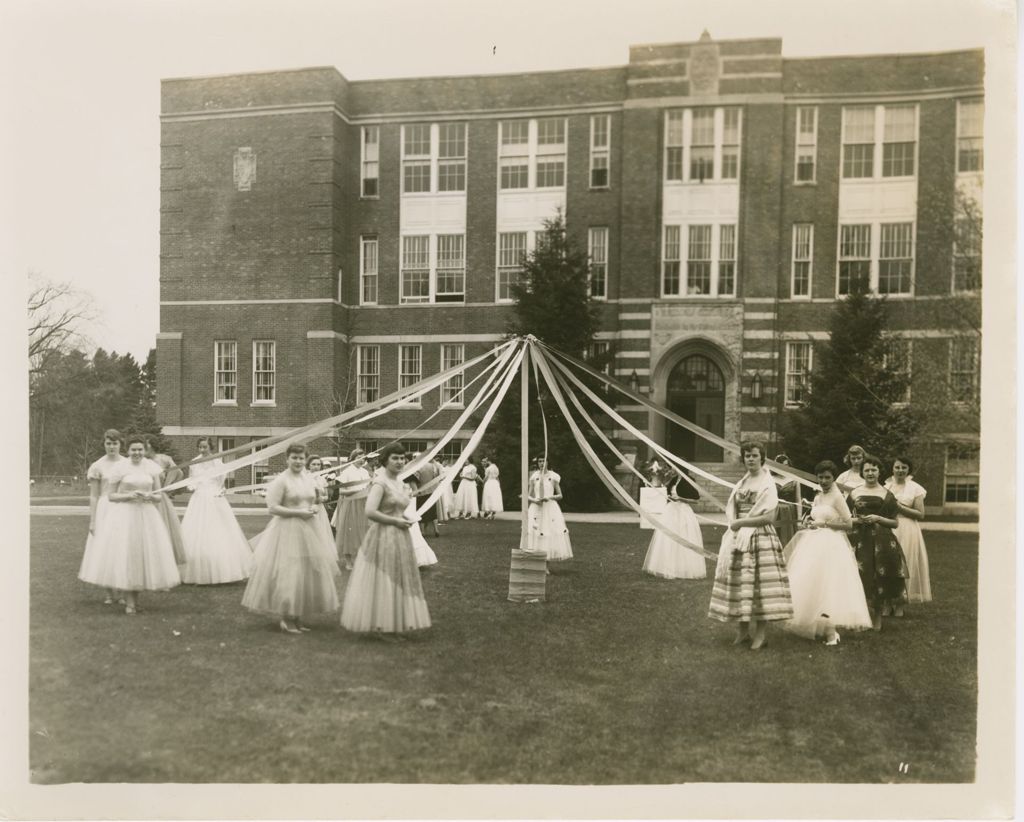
[{"x": 324, "y": 241}]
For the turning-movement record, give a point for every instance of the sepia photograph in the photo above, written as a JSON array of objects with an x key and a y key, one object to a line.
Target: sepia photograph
[{"x": 510, "y": 410}]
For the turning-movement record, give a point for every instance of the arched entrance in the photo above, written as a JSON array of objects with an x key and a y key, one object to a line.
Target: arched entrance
[{"x": 696, "y": 391}]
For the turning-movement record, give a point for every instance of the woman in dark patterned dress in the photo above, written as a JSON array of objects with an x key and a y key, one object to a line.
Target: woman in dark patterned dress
[{"x": 880, "y": 560}]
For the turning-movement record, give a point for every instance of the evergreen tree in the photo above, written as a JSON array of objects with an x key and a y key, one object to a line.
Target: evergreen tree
[
  {"x": 552, "y": 302},
  {"x": 144, "y": 421},
  {"x": 854, "y": 395}
]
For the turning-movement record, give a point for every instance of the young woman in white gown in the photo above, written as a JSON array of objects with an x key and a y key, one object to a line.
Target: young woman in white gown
[
  {"x": 547, "y": 533},
  {"x": 99, "y": 490},
  {"x": 350, "y": 515},
  {"x": 132, "y": 550},
  {"x": 314, "y": 464},
  {"x": 824, "y": 582},
  {"x": 216, "y": 550},
  {"x": 446, "y": 502},
  {"x": 466, "y": 504},
  {"x": 491, "y": 502},
  {"x": 668, "y": 558},
  {"x": 910, "y": 501}
]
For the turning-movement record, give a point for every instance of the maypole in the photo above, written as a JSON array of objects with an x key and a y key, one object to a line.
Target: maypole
[{"x": 527, "y": 576}]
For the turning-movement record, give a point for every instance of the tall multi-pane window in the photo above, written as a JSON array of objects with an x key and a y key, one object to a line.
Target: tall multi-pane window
[
  {"x": 514, "y": 154},
  {"x": 416, "y": 269},
  {"x": 451, "y": 268},
  {"x": 263, "y": 368},
  {"x": 260, "y": 471},
  {"x": 674, "y": 122},
  {"x": 702, "y": 144},
  {"x": 899, "y": 141},
  {"x": 798, "y": 372},
  {"x": 551, "y": 152},
  {"x": 896, "y": 258},
  {"x": 806, "y": 143},
  {"x": 600, "y": 150},
  {"x": 854, "y": 258},
  {"x": 966, "y": 254},
  {"x": 803, "y": 251},
  {"x": 597, "y": 245},
  {"x": 416, "y": 158},
  {"x": 858, "y": 141},
  {"x": 370, "y": 168},
  {"x": 410, "y": 366},
  {"x": 730, "y": 143},
  {"x": 452, "y": 354},
  {"x": 511, "y": 250},
  {"x": 368, "y": 270},
  {"x": 368, "y": 373},
  {"x": 698, "y": 260},
  {"x": 963, "y": 473},
  {"x": 970, "y": 118},
  {"x": 963, "y": 369},
  {"x": 897, "y": 358},
  {"x": 225, "y": 371},
  {"x": 670, "y": 261},
  {"x": 451, "y": 157},
  {"x": 726, "y": 260}
]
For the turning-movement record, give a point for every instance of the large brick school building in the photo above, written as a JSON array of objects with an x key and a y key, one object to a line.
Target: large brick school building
[{"x": 325, "y": 241}]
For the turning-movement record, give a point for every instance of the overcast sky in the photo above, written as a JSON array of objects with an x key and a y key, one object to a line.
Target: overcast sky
[{"x": 84, "y": 78}]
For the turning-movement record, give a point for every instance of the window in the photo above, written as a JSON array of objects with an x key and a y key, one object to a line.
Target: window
[
  {"x": 263, "y": 355},
  {"x": 514, "y": 154},
  {"x": 966, "y": 254},
  {"x": 368, "y": 270},
  {"x": 896, "y": 258},
  {"x": 260, "y": 470},
  {"x": 410, "y": 367},
  {"x": 963, "y": 473},
  {"x": 225, "y": 372},
  {"x": 858, "y": 142},
  {"x": 451, "y": 450},
  {"x": 702, "y": 144},
  {"x": 710, "y": 254},
  {"x": 511, "y": 250},
  {"x": 963, "y": 369},
  {"x": 451, "y": 269},
  {"x": 367, "y": 373},
  {"x": 416, "y": 269},
  {"x": 451, "y": 153},
  {"x": 599, "y": 355},
  {"x": 970, "y": 119},
  {"x": 798, "y": 373},
  {"x": 899, "y": 141},
  {"x": 226, "y": 444},
  {"x": 551, "y": 153},
  {"x": 895, "y": 141},
  {"x": 806, "y": 143},
  {"x": 803, "y": 249},
  {"x": 897, "y": 359},
  {"x": 413, "y": 447},
  {"x": 367, "y": 446},
  {"x": 452, "y": 354},
  {"x": 597, "y": 245},
  {"x": 371, "y": 161},
  {"x": 600, "y": 150},
  {"x": 854, "y": 258},
  {"x": 415, "y": 159}
]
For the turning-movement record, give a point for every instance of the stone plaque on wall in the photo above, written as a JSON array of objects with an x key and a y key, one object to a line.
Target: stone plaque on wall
[
  {"x": 704, "y": 67},
  {"x": 245, "y": 168}
]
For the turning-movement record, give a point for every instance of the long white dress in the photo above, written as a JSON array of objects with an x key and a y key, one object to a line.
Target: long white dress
[
  {"x": 911, "y": 540},
  {"x": 491, "y": 497},
  {"x": 446, "y": 502},
  {"x": 350, "y": 515},
  {"x": 546, "y": 533},
  {"x": 132, "y": 550},
  {"x": 466, "y": 504},
  {"x": 100, "y": 470},
  {"x": 216, "y": 550},
  {"x": 668, "y": 558},
  {"x": 824, "y": 582},
  {"x": 323, "y": 522}
]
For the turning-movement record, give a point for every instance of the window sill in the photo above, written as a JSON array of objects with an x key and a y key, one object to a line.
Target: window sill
[
  {"x": 702, "y": 298},
  {"x": 369, "y": 196},
  {"x": 800, "y": 298},
  {"x": 803, "y": 183},
  {"x": 433, "y": 193},
  {"x": 453, "y": 406},
  {"x": 225, "y": 404},
  {"x": 263, "y": 404},
  {"x": 600, "y": 188}
]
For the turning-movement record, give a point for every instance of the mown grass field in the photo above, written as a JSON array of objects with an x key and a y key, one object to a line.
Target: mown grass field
[{"x": 617, "y": 679}]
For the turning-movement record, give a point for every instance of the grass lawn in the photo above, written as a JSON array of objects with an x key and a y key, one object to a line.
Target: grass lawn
[{"x": 617, "y": 679}]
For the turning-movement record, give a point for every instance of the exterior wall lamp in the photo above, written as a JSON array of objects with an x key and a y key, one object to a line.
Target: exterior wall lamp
[
  {"x": 634, "y": 382},
  {"x": 756, "y": 388}
]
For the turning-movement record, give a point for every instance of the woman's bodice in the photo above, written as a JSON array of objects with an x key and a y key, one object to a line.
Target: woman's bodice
[
  {"x": 200, "y": 476},
  {"x": 907, "y": 492},
  {"x": 396, "y": 496},
  {"x": 543, "y": 485},
  {"x": 134, "y": 478},
  {"x": 829, "y": 508},
  {"x": 291, "y": 491},
  {"x": 745, "y": 501},
  {"x": 103, "y": 469},
  {"x": 491, "y": 472},
  {"x": 469, "y": 472}
]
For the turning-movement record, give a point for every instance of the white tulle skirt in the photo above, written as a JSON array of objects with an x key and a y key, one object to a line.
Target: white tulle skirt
[
  {"x": 911, "y": 540},
  {"x": 547, "y": 533},
  {"x": 131, "y": 550},
  {"x": 491, "y": 497},
  {"x": 216, "y": 550},
  {"x": 465, "y": 499},
  {"x": 824, "y": 584},
  {"x": 666, "y": 557}
]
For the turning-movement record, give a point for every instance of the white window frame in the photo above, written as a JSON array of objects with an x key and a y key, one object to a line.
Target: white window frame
[
  {"x": 453, "y": 160},
  {"x": 601, "y": 151},
  {"x": 433, "y": 268},
  {"x": 421, "y": 160},
  {"x": 406, "y": 269},
  {"x": 874, "y": 257},
  {"x": 806, "y": 146},
  {"x": 808, "y": 259},
  {"x": 906, "y": 357},
  {"x": 217, "y": 371},
  {"x": 804, "y": 375},
  {"x": 714, "y": 260},
  {"x": 980, "y": 101},
  {"x": 453, "y": 354},
  {"x": 407, "y": 378},
  {"x": 367, "y": 381},
  {"x": 948, "y": 475},
  {"x": 532, "y": 153},
  {"x": 369, "y": 268},
  {"x": 684, "y": 117},
  {"x": 256, "y": 372},
  {"x": 597, "y": 253},
  {"x": 879, "y": 142},
  {"x": 974, "y": 373},
  {"x": 369, "y": 158},
  {"x": 501, "y": 269},
  {"x": 260, "y": 470},
  {"x": 965, "y": 251}
]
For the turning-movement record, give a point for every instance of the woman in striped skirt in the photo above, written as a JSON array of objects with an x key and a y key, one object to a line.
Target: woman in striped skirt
[{"x": 751, "y": 584}]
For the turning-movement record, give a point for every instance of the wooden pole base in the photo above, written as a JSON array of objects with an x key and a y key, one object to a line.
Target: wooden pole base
[{"x": 527, "y": 578}]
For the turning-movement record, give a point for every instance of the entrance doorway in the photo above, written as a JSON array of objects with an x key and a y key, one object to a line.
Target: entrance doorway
[{"x": 696, "y": 392}]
